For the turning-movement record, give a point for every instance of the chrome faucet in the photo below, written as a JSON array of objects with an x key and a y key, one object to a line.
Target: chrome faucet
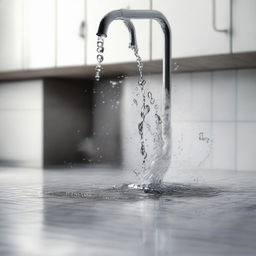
[{"x": 126, "y": 15}]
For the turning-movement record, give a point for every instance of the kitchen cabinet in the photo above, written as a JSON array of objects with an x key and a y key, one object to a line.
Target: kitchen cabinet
[
  {"x": 116, "y": 44},
  {"x": 244, "y": 20},
  {"x": 70, "y": 32},
  {"x": 11, "y": 38},
  {"x": 191, "y": 22},
  {"x": 39, "y": 33}
]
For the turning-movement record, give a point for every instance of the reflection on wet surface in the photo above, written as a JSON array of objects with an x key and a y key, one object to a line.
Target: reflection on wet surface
[
  {"x": 91, "y": 212},
  {"x": 124, "y": 192}
]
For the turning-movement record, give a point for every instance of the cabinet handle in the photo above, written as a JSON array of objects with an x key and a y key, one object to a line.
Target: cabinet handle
[
  {"x": 82, "y": 29},
  {"x": 214, "y": 19}
]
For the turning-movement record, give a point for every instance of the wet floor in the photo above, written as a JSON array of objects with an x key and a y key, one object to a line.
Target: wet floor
[{"x": 93, "y": 212}]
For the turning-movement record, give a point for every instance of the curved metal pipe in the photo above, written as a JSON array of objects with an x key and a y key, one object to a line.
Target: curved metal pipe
[
  {"x": 131, "y": 29},
  {"x": 126, "y": 15}
]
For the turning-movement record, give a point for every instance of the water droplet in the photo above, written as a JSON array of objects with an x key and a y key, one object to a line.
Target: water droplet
[
  {"x": 135, "y": 102},
  {"x": 100, "y": 43},
  {"x": 203, "y": 138},
  {"x": 99, "y": 58},
  {"x": 97, "y": 148},
  {"x": 176, "y": 66},
  {"x": 142, "y": 82},
  {"x": 114, "y": 83},
  {"x": 100, "y": 49},
  {"x": 158, "y": 119},
  {"x": 140, "y": 128},
  {"x": 151, "y": 99},
  {"x": 144, "y": 111}
]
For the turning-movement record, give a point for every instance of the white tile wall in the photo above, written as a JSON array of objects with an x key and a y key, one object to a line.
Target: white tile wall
[
  {"x": 246, "y": 146},
  {"x": 21, "y": 123},
  {"x": 21, "y": 95},
  {"x": 246, "y": 92},
  {"x": 224, "y": 148},
  {"x": 188, "y": 151},
  {"x": 20, "y": 137},
  {"x": 201, "y": 97},
  {"x": 181, "y": 97},
  {"x": 222, "y": 105},
  {"x": 224, "y": 96}
]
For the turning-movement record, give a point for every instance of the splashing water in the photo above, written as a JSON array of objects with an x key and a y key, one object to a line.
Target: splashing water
[
  {"x": 153, "y": 168},
  {"x": 145, "y": 109}
]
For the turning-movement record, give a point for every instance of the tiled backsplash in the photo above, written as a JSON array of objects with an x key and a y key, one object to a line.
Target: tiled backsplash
[{"x": 213, "y": 118}]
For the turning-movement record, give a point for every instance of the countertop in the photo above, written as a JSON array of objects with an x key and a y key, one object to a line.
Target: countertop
[{"x": 90, "y": 212}]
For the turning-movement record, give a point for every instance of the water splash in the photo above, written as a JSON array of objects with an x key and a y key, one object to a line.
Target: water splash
[
  {"x": 203, "y": 138},
  {"x": 154, "y": 167}
]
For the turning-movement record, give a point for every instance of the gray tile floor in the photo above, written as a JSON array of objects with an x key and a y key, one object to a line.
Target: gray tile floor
[{"x": 78, "y": 212}]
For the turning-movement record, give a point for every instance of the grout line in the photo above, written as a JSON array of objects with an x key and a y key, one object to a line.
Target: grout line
[
  {"x": 42, "y": 124},
  {"x": 211, "y": 118},
  {"x": 236, "y": 118}
]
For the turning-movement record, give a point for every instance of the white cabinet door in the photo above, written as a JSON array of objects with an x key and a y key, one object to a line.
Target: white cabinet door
[
  {"x": 70, "y": 32},
  {"x": 192, "y": 27},
  {"x": 116, "y": 44},
  {"x": 39, "y": 37},
  {"x": 11, "y": 35},
  {"x": 244, "y": 25}
]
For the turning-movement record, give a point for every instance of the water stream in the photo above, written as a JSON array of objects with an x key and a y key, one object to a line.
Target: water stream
[
  {"x": 153, "y": 167},
  {"x": 100, "y": 51}
]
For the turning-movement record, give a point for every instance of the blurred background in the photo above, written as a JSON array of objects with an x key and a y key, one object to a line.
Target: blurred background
[{"x": 54, "y": 114}]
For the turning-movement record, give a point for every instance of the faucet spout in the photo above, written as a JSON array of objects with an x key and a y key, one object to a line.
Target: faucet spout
[
  {"x": 126, "y": 15},
  {"x": 116, "y": 15}
]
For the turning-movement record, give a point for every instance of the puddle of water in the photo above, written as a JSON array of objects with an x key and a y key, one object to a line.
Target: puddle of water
[{"x": 134, "y": 192}]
